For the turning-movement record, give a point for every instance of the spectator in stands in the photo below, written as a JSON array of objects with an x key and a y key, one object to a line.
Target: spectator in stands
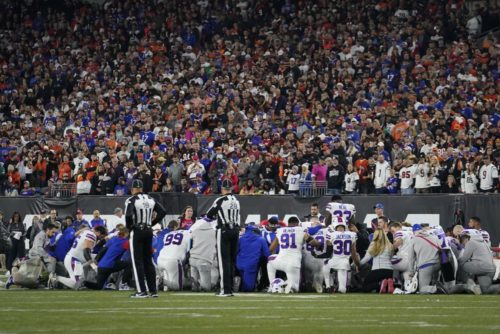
[
  {"x": 451, "y": 186},
  {"x": 248, "y": 188},
  {"x": 382, "y": 173},
  {"x": 146, "y": 97},
  {"x": 335, "y": 176},
  {"x": 488, "y": 176},
  {"x": 27, "y": 189},
  {"x": 468, "y": 180}
]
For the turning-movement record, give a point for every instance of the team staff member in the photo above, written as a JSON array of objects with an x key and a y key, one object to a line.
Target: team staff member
[
  {"x": 139, "y": 218},
  {"x": 226, "y": 209},
  {"x": 108, "y": 258}
]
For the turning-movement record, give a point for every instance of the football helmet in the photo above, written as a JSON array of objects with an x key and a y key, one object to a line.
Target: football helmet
[
  {"x": 278, "y": 286},
  {"x": 411, "y": 285},
  {"x": 338, "y": 221}
]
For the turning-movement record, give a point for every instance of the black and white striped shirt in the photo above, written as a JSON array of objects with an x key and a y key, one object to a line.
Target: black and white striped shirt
[
  {"x": 139, "y": 211},
  {"x": 227, "y": 211}
]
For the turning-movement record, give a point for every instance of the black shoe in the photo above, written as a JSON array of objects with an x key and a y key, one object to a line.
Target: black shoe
[
  {"x": 328, "y": 290},
  {"x": 139, "y": 295},
  {"x": 440, "y": 289},
  {"x": 153, "y": 295}
]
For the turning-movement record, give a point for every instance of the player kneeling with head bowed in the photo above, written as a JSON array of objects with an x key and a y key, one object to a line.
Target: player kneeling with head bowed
[
  {"x": 340, "y": 247},
  {"x": 108, "y": 259},
  {"x": 312, "y": 267},
  {"x": 80, "y": 254},
  {"x": 176, "y": 245},
  {"x": 475, "y": 263},
  {"x": 290, "y": 240}
]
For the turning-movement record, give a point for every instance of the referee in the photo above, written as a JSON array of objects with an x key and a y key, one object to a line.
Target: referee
[
  {"x": 139, "y": 218},
  {"x": 226, "y": 209}
]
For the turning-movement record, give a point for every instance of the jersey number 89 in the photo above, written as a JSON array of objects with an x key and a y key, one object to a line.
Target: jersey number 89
[{"x": 174, "y": 239}]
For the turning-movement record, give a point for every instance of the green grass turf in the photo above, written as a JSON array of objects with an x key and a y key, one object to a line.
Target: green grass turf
[{"x": 41, "y": 311}]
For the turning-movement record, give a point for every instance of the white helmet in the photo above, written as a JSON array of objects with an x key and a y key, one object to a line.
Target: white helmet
[
  {"x": 411, "y": 285},
  {"x": 338, "y": 221},
  {"x": 278, "y": 286}
]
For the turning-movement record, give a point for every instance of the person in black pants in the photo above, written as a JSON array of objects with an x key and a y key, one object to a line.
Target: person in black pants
[
  {"x": 109, "y": 257},
  {"x": 16, "y": 230},
  {"x": 226, "y": 209},
  {"x": 139, "y": 218},
  {"x": 380, "y": 253}
]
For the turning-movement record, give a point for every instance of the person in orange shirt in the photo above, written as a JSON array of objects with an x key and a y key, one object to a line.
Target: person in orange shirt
[
  {"x": 111, "y": 142},
  {"x": 40, "y": 171},
  {"x": 91, "y": 166},
  {"x": 14, "y": 175},
  {"x": 65, "y": 167}
]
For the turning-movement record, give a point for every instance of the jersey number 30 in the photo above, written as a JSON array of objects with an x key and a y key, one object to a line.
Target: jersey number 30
[{"x": 342, "y": 247}]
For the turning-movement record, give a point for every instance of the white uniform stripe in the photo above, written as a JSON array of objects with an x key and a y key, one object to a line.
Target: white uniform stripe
[
  {"x": 219, "y": 258},
  {"x": 136, "y": 276}
]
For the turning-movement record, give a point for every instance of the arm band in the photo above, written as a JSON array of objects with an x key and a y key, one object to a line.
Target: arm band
[{"x": 86, "y": 254}]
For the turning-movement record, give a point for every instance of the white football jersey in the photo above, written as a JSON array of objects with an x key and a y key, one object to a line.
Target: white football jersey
[
  {"x": 350, "y": 181},
  {"x": 381, "y": 174},
  {"x": 406, "y": 237},
  {"x": 291, "y": 240},
  {"x": 421, "y": 178},
  {"x": 341, "y": 210},
  {"x": 486, "y": 176},
  {"x": 407, "y": 175},
  {"x": 486, "y": 237},
  {"x": 320, "y": 237},
  {"x": 176, "y": 244},
  {"x": 342, "y": 243},
  {"x": 468, "y": 183},
  {"x": 293, "y": 182},
  {"x": 76, "y": 250}
]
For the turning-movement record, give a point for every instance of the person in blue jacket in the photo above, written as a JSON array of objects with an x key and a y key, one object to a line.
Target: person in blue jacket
[
  {"x": 108, "y": 259},
  {"x": 66, "y": 239},
  {"x": 252, "y": 248}
]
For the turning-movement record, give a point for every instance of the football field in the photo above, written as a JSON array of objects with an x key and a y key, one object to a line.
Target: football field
[{"x": 40, "y": 311}]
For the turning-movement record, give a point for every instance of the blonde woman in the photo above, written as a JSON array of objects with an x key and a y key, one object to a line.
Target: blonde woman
[
  {"x": 436, "y": 175},
  {"x": 380, "y": 276}
]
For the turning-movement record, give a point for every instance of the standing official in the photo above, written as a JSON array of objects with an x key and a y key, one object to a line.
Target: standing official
[
  {"x": 226, "y": 209},
  {"x": 139, "y": 218}
]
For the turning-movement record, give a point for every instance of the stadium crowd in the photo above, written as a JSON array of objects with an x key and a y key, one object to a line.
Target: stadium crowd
[
  {"x": 322, "y": 253},
  {"x": 367, "y": 96}
]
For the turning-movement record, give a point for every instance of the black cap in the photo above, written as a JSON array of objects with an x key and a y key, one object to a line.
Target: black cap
[
  {"x": 137, "y": 184},
  {"x": 227, "y": 184}
]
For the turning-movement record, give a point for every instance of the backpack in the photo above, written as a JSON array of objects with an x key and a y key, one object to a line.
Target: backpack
[{"x": 29, "y": 272}]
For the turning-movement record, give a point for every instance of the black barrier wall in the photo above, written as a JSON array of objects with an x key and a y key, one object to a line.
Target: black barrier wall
[{"x": 443, "y": 207}]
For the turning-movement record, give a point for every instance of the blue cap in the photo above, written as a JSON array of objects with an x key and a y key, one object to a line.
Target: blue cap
[
  {"x": 378, "y": 206},
  {"x": 416, "y": 227},
  {"x": 273, "y": 220}
]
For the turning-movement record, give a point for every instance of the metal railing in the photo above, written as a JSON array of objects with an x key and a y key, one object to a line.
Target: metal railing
[
  {"x": 62, "y": 190},
  {"x": 312, "y": 188}
]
